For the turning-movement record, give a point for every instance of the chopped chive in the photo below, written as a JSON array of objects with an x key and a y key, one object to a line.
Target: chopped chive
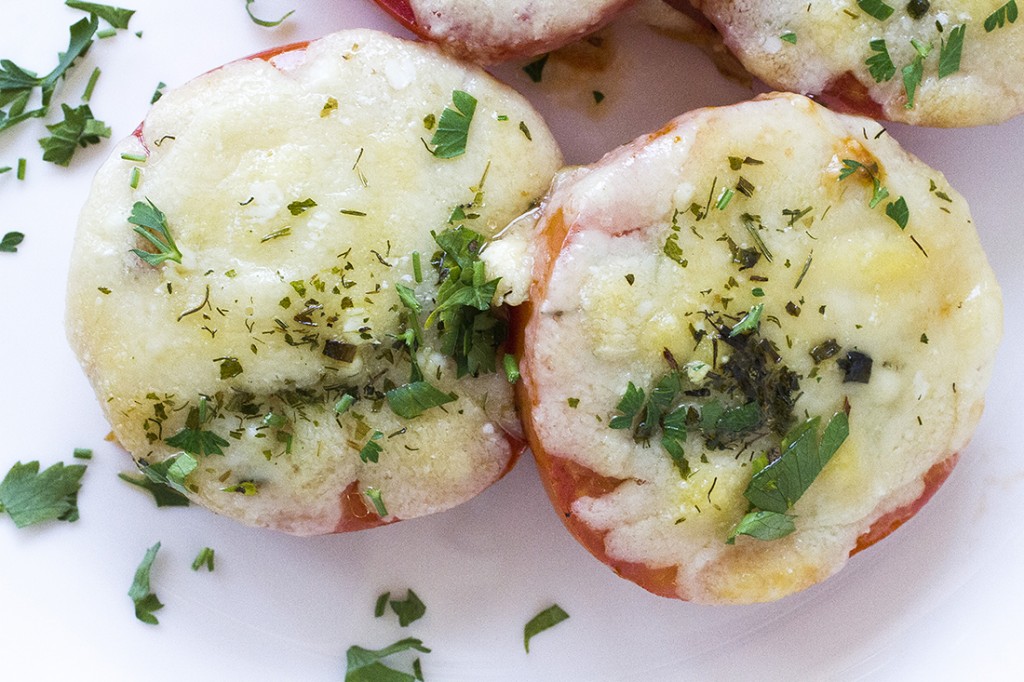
[
  {"x": 21, "y": 169},
  {"x": 378, "y": 501},
  {"x": 724, "y": 199},
  {"x": 83, "y": 453},
  {"x": 341, "y": 407},
  {"x": 106, "y": 33},
  {"x": 511, "y": 368},
  {"x": 417, "y": 270},
  {"x": 138, "y": 158},
  {"x": 91, "y": 84},
  {"x": 133, "y": 179},
  {"x": 348, "y": 211}
]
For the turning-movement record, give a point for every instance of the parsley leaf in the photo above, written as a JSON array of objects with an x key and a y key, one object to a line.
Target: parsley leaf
[
  {"x": 763, "y": 525},
  {"x": 172, "y": 471},
  {"x": 778, "y": 485},
  {"x": 377, "y": 498},
  {"x": 548, "y": 618},
  {"x": 409, "y": 609},
  {"x": 265, "y": 22},
  {"x": 163, "y": 495},
  {"x": 115, "y": 16},
  {"x": 78, "y": 129},
  {"x": 630, "y": 405},
  {"x": 413, "y": 399},
  {"x": 750, "y": 321},
  {"x": 79, "y": 41},
  {"x": 10, "y": 242},
  {"x": 951, "y": 50},
  {"x": 151, "y": 223},
  {"x": 876, "y": 8},
  {"x": 195, "y": 440},
  {"x": 880, "y": 64},
  {"x": 878, "y": 192},
  {"x": 365, "y": 665},
  {"x": 789, "y": 37},
  {"x": 914, "y": 72},
  {"x": 898, "y": 211},
  {"x": 452, "y": 132},
  {"x": 1007, "y": 14},
  {"x": 146, "y": 602},
  {"x": 31, "y": 497},
  {"x": 371, "y": 451}
]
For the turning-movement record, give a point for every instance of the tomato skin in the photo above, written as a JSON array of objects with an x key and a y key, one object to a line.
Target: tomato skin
[{"x": 402, "y": 12}]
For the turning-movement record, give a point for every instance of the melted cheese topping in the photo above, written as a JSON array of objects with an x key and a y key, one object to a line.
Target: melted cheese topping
[
  {"x": 616, "y": 298},
  {"x": 834, "y": 39},
  {"x": 494, "y": 30},
  {"x": 278, "y": 309}
]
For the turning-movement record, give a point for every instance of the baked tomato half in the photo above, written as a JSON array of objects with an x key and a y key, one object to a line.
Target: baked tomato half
[
  {"x": 756, "y": 341},
  {"x": 277, "y": 290},
  {"x": 489, "y": 31}
]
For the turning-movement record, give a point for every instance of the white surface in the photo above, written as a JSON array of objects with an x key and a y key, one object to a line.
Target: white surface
[{"x": 938, "y": 600}]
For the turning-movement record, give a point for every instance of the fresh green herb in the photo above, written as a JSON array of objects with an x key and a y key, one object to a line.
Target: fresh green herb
[
  {"x": 452, "y": 132},
  {"x": 378, "y": 501},
  {"x": 525, "y": 130},
  {"x": 763, "y": 525},
  {"x": 951, "y": 50},
  {"x": 878, "y": 192},
  {"x": 750, "y": 321},
  {"x": 598, "y": 96},
  {"x": 229, "y": 368},
  {"x": 345, "y": 402},
  {"x": 1007, "y": 14},
  {"x": 413, "y": 399},
  {"x": 115, "y": 16},
  {"x": 673, "y": 251},
  {"x": 876, "y": 8},
  {"x": 470, "y": 331},
  {"x": 106, "y": 33},
  {"x": 204, "y": 558},
  {"x": 163, "y": 495},
  {"x": 300, "y": 207},
  {"x": 30, "y": 497},
  {"x": 779, "y": 484},
  {"x": 788, "y": 37},
  {"x": 535, "y": 69},
  {"x": 158, "y": 92},
  {"x": 724, "y": 198},
  {"x": 381, "y": 605},
  {"x": 171, "y": 472},
  {"x": 91, "y": 85},
  {"x": 247, "y": 488},
  {"x": 78, "y": 129},
  {"x": 371, "y": 451},
  {"x": 546, "y": 619},
  {"x": 134, "y": 177},
  {"x": 145, "y": 600},
  {"x": 82, "y": 453},
  {"x": 194, "y": 439},
  {"x": 151, "y": 224},
  {"x": 898, "y": 211},
  {"x": 408, "y": 610},
  {"x": 10, "y": 242},
  {"x": 137, "y": 158},
  {"x": 365, "y": 665},
  {"x": 511, "y": 368},
  {"x": 264, "y": 22},
  {"x": 21, "y": 169},
  {"x": 880, "y": 64},
  {"x": 914, "y": 71},
  {"x": 417, "y": 269}
]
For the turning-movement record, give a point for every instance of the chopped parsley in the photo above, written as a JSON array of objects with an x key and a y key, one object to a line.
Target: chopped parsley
[
  {"x": 115, "y": 16},
  {"x": 779, "y": 482},
  {"x": 880, "y": 64},
  {"x": 545, "y": 620},
  {"x": 789, "y": 37},
  {"x": 78, "y": 129},
  {"x": 171, "y": 472},
  {"x": 951, "y": 50},
  {"x": 452, "y": 132},
  {"x": 194, "y": 439},
  {"x": 30, "y": 497},
  {"x": 146, "y": 602},
  {"x": 158, "y": 92},
  {"x": 878, "y": 192},
  {"x": 413, "y": 399},
  {"x": 204, "y": 558},
  {"x": 899, "y": 212},
  {"x": 876, "y": 8},
  {"x": 914, "y": 71},
  {"x": 151, "y": 224},
  {"x": 265, "y": 22},
  {"x": 10, "y": 242},
  {"x": 163, "y": 494},
  {"x": 366, "y": 665},
  {"x": 371, "y": 451},
  {"x": 378, "y": 501},
  {"x": 1006, "y": 14},
  {"x": 408, "y": 610}
]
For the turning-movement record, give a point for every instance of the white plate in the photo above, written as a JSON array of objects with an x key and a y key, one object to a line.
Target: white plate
[{"x": 938, "y": 600}]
